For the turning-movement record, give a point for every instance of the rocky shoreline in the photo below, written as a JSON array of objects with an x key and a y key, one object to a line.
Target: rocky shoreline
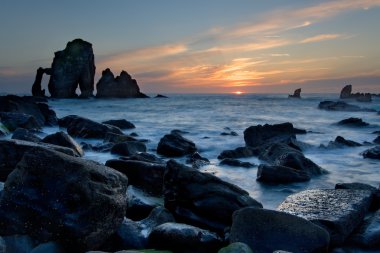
[{"x": 53, "y": 200}]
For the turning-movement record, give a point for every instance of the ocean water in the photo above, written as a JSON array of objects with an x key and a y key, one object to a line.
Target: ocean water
[{"x": 208, "y": 116}]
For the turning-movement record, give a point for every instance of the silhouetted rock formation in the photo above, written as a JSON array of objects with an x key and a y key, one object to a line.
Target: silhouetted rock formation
[
  {"x": 122, "y": 86},
  {"x": 72, "y": 66},
  {"x": 296, "y": 94},
  {"x": 361, "y": 97},
  {"x": 37, "y": 91}
]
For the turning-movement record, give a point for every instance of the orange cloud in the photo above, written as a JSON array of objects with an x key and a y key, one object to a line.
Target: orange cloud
[{"x": 321, "y": 37}]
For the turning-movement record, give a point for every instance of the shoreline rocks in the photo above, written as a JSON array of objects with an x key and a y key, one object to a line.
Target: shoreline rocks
[
  {"x": 175, "y": 145},
  {"x": 342, "y": 106}
]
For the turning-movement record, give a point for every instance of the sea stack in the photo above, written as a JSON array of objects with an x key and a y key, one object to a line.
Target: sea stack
[
  {"x": 296, "y": 94},
  {"x": 346, "y": 93}
]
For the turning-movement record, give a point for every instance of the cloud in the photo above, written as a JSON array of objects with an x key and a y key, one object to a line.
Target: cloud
[
  {"x": 279, "y": 55},
  {"x": 321, "y": 37}
]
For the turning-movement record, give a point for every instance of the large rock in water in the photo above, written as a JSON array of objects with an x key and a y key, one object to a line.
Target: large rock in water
[
  {"x": 338, "y": 211},
  {"x": 372, "y": 153},
  {"x": 122, "y": 86},
  {"x": 71, "y": 67},
  {"x": 346, "y": 92},
  {"x": 267, "y": 230},
  {"x": 64, "y": 140},
  {"x": 342, "y": 106},
  {"x": 175, "y": 145},
  {"x": 55, "y": 197},
  {"x": 202, "y": 199}
]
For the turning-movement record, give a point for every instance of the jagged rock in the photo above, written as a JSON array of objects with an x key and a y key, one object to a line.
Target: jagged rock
[
  {"x": 202, "y": 199},
  {"x": 11, "y": 152},
  {"x": 71, "y": 67},
  {"x": 361, "y": 97},
  {"x": 296, "y": 94},
  {"x": 55, "y": 197},
  {"x": 62, "y": 139},
  {"x": 144, "y": 175},
  {"x": 373, "y": 153},
  {"x": 120, "y": 123},
  {"x": 236, "y": 247},
  {"x": 50, "y": 116},
  {"x": 25, "y": 135},
  {"x": 160, "y": 96},
  {"x": 37, "y": 91},
  {"x": 197, "y": 161},
  {"x": 140, "y": 203},
  {"x": 175, "y": 145},
  {"x": 144, "y": 157},
  {"x": 128, "y": 148},
  {"x": 184, "y": 238},
  {"x": 122, "y": 86},
  {"x": 236, "y": 163},
  {"x": 259, "y": 135},
  {"x": 341, "y": 142},
  {"x": 240, "y": 152},
  {"x": 337, "y": 211},
  {"x": 277, "y": 174},
  {"x": 342, "y": 106},
  {"x": 267, "y": 230},
  {"x": 353, "y": 122}
]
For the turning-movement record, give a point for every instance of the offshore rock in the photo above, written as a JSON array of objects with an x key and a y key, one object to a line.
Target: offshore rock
[
  {"x": 202, "y": 199},
  {"x": 353, "y": 122},
  {"x": 342, "y": 106},
  {"x": 71, "y": 67},
  {"x": 346, "y": 93},
  {"x": 372, "y": 153},
  {"x": 296, "y": 94},
  {"x": 267, "y": 230},
  {"x": 341, "y": 142},
  {"x": 122, "y": 86},
  {"x": 55, "y": 197},
  {"x": 337, "y": 211},
  {"x": 37, "y": 91}
]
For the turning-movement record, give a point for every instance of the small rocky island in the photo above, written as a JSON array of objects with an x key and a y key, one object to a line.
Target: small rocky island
[
  {"x": 346, "y": 93},
  {"x": 74, "y": 67}
]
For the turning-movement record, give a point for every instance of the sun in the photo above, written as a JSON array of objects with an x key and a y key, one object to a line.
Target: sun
[{"x": 238, "y": 92}]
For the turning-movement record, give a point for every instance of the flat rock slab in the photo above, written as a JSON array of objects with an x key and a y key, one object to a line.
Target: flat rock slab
[{"x": 338, "y": 211}]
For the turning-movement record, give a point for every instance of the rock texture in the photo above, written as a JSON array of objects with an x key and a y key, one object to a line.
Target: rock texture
[
  {"x": 267, "y": 230},
  {"x": 175, "y": 145},
  {"x": 361, "y": 97},
  {"x": 64, "y": 140},
  {"x": 123, "y": 86},
  {"x": 338, "y": 211},
  {"x": 277, "y": 174},
  {"x": 55, "y": 197},
  {"x": 71, "y": 67},
  {"x": 296, "y": 94},
  {"x": 37, "y": 90}
]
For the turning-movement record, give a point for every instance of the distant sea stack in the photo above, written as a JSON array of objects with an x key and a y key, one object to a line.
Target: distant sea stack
[
  {"x": 123, "y": 86},
  {"x": 346, "y": 93},
  {"x": 296, "y": 94}
]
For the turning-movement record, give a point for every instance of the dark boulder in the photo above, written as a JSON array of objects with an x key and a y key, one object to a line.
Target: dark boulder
[
  {"x": 296, "y": 94},
  {"x": 337, "y": 211},
  {"x": 259, "y": 135},
  {"x": 118, "y": 138},
  {"x": 372, "y": 153},
  {"x": 240, "y": 152},
  {"x": 346, "y": 93},
  {"x": 71, "y": 67},
  {"x": 122, "y": 86},
  {"x": 174, "y": 145},
  {"x": 197, "y": 161},
  {"x": 236, "y": 163},
  {"x": 184, "y": 238},
  {"x": 50, "y": 115},
  {"x": 353, "y": 122},
  {"x": 120, "y": 123},
  {"x": 144, "y": 157},
  {"x": 64, "y": 140},
  {"x": 128, "y": 148},
  {"x": 14, "y": 120},
  {"x": 342, "y": 106},
  {"x": 140, "y": 203},
  {"x": 277, "y": 174},
  {"x": 368, "y": 234},
  {"x": 55, "y": 197},
  {"x": 37, "y": 90},
  {"x": 66, "y": 121},
  {"x": 202, "y": 199},
  {"x": 11, "y": 152},
  {"x": 341, "y": 142},
  {"x": 360, "y": 186},
  {"x": 25, "y": 135},
  {"x": 267, "y": 230},
  {"x": 160, "y": 96},
  {"x": 377, "y": 140},
  {"x": 144, "y": 175}
]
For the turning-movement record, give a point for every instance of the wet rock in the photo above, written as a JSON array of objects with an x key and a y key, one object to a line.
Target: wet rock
[
  {"x": 49, "y": 247},
  {"x": 267, "y": 230},
  {"x": 11, "y": 152},
  {"x": 120, "y": 123},
  {"x": 25, "y": 135},
  {"x": 50, "y": 116},
  {"x": 372, "y": 153},
  {"x": 353, "y": 122},
  {"x": 140, "y": 203},
  {"x": 118, "y": 138},
  {"x": 160, "y": 96},
  {"x": 62, "y": 139},
  {"x": 342, "y": 106},
  {"x": 377, "y": 140},
  {"x": 134, "y": 235},
  {"x": 232, "y": 133},
  {"x": 341, "y": 142},
  {"x": 240, "y": 152},
  {"x": 12, "y": 121},
  {"x": 202, "y": 199},
  {"x": 197, "y": 161},
  {"x": 277, "y": 174},
  {"x": 122, "y": 86},
  {"x": 144, "y": 175},
  {"x": 368, "y": 234},
  {"x": 296, "y": 94},
  {"x": 236, "y": 247},
  {"x": 175, "y": 145},
  {"x": 258, "y": 135},
  {"x": 236, "y": 163},
  {"x": 65, "y": 121},
  {"x": 71, "y": 67},
  {"x": 144, "y": 157},
  {"x": 184, "y": 238},
  {"x": 103, "y": 148},
  {"x": 56, "y": 197},
  {"x": 128, "y": 148},
  {"x": 337, "y": 211},
  {"x": 360, "y": 186},
  {"x": 18, "y": 244}
]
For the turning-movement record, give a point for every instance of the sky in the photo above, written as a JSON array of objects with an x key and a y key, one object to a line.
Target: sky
[{"x": 198, "y": 46}]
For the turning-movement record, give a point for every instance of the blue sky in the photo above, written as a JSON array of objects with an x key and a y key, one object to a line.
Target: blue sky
[{"x": 201, "y": 46}]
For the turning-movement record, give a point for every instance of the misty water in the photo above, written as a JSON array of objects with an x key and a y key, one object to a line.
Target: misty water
[{"x": 208, "y": 116}]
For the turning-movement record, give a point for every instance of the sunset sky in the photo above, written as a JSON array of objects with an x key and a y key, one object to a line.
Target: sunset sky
[{"x": 213, "y": 46}]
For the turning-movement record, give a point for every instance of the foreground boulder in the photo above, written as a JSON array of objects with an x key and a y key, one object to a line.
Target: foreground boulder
[
  {"x": 140, "y": 203},
  {"x": 128, "y": 148},
  {"x": 62, "y": 139},
  {"x": 12, "y": 121},
  {"x": 372, "y": 153},
  {"x": 175, "y": 145},
  {"x": 342, "y": 106},
  {"x": 368, "y": 234},
  {"x": 267, "y": 230},
  {"x": 277, "y": 174},
  {"x": 353, "y": 122},
  {"x": 11, "y": 152},
  {"x": 122, "y": 86},
  {"x": 337, "y": 211},
  {"x": 55, "y": 197},
  {"x": 184, "y": 238},
  {"x": 202, "y": 199}
]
